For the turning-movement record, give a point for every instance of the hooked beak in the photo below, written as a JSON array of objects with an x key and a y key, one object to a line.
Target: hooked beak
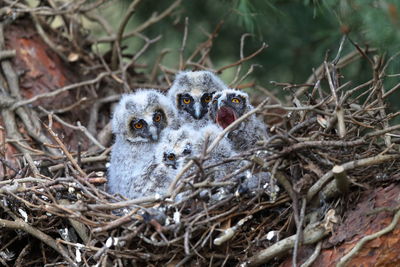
[
  {"x": 154, "y": 133},
  {"x": 197, "y": 111}
]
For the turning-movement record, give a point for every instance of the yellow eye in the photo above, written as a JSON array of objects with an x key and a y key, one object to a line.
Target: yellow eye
[
  {"x": 138, "y": 125},
  {"x": 207, "y": 99},
  {"x": 236, "y": 100},
  {"x": 186, "y": 101},
  {"x": 171, "y": 157},
  {"x": 157, "y": 118}
]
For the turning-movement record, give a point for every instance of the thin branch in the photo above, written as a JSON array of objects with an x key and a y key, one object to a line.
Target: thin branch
[{"x": 342, "y": 262}]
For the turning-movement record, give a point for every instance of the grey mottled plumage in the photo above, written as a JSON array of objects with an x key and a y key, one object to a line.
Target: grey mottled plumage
[
  {"x": 138, "y": 122},
  {"x": 226, "y": 107},
  {"x": 178, "y": 146},
  {"x": 191, "y": 92}
]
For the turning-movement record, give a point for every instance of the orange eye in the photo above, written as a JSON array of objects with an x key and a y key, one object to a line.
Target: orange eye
[
  {"x": 171, "y": 157},
  {"x": 207, "y": 99},
  {"x": 138, "y": 125},
  {"x": 235, "y": 100},
  {"x": 157, "y": 118},
  {"x": 186, "y": 101}
]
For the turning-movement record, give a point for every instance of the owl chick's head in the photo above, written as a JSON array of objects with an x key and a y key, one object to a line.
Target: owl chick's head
[
  {"x": 176, "y": 146},
  {"x": 192, "y": 92},
  {"x": 140, "y": 117},
  {"x": 228, "y": 105}
]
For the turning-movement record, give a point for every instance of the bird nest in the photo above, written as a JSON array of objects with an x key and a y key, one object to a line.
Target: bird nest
[{"x": 331, "y": 142}]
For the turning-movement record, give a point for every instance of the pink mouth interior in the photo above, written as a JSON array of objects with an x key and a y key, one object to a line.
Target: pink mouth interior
[{"x": 225, "y": 116}]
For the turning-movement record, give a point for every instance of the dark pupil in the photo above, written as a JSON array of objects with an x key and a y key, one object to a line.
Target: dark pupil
[{"x": 185, "y": 98}]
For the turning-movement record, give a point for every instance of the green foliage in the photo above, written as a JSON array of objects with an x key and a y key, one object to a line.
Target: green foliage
[
  {"x": 299, "y": 33},
  {"x": 376, "y": 22}
]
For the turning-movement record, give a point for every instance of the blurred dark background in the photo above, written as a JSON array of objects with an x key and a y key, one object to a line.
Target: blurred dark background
[{"x": 300, "y": 34}]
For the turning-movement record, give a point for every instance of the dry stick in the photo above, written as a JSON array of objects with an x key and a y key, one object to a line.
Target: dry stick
[
  {"x": 342, "y": 182},
  {"x": 342, "y": 262},
  {"x": 101, "y": 157},
  {"x": 156, "y": 65},
  {"x": 19, "y": 224},
  {"x": 94, "y": 15},
  {"x": 183, "y": 46},
  {"x": 338, "y": 109},
  {"x": 250, "y": 71},
  {"x": 331, "y": 85},
  {"x": 45, "y": 38},
  {"x": 312, "y": 234},
  {"x": 25, "y": 180},
  {"x": 13, "y": 86},
  {"x": 136, "y": 56},
  {"x": 12, "y": 131},
  {"x": 152, "y": 20},
  {"x": 348, "y": 166},
  {"x": 78, "y": 127},
  {"x": 64, "y": 149},
  {"x": 61, "y": 90},
  {"x": 385, "y": 95},
  {"x": 242, "y": 39},
  {"x": 352, "y": 56},
  {"x": 263, "y": 46},
  {"x": 313, "y": 256},
  {"x": 6, "y": 54},
  {"x": 299, "y": 233},
  {"x": 78, "y": 104},
  {"x": 79, "y": 227},
  {"x": 215, "y": 143},
  {"x": 116, "y": 223},
  {"x": 382, "y": 111},
  {"x": 117, "y": 43},
  {"x": 94, "y": 111}
]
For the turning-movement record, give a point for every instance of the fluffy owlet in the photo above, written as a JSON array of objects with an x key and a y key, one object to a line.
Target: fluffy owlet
[
  {"x": 138, "y": 123},
  {"x": 226, "y": 107},
  {"x": 178, "y": 146},
  {"x": 191, "y": 93}
]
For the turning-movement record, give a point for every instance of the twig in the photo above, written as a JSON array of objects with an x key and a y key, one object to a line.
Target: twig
[
  {"x": 313, "y": 256},
  {"x": 299, "y": 232},
  {"x": 152, "y": 20},
  {"x": 6, "y": 54},
  {"x": 21, "y": 225},
  {"x": 312, "y": 235},
  {"x": 78, "y": 127},
  {"x": 183, "y": 46},
  {"x": 242, "y": 39},
  {"x": 117, "y": 44},
  {"x": 61, "y": 90},
  {"x": 349, "y": 166},
  {"x": 342, "y": 262},
  {"x": 263, "y": 46},
  {"x": 342, "y": 182},
  {"x": 64, "y": 149}
]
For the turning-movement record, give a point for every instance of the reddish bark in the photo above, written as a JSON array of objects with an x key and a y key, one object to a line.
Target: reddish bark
[{"x": 382, "y": 251}]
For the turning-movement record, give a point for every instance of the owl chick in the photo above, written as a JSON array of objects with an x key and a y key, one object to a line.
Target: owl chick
[
  {"x": 138, "y": 122},
  {"x": 178, "y": 146},
  {"x": 170, "y": 155},
  {"x": 226, "y": 107},
  {"x": 191, "y": 92}
]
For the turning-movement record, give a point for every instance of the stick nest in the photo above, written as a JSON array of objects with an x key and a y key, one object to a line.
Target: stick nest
[{"x": 331, "y": 141}]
